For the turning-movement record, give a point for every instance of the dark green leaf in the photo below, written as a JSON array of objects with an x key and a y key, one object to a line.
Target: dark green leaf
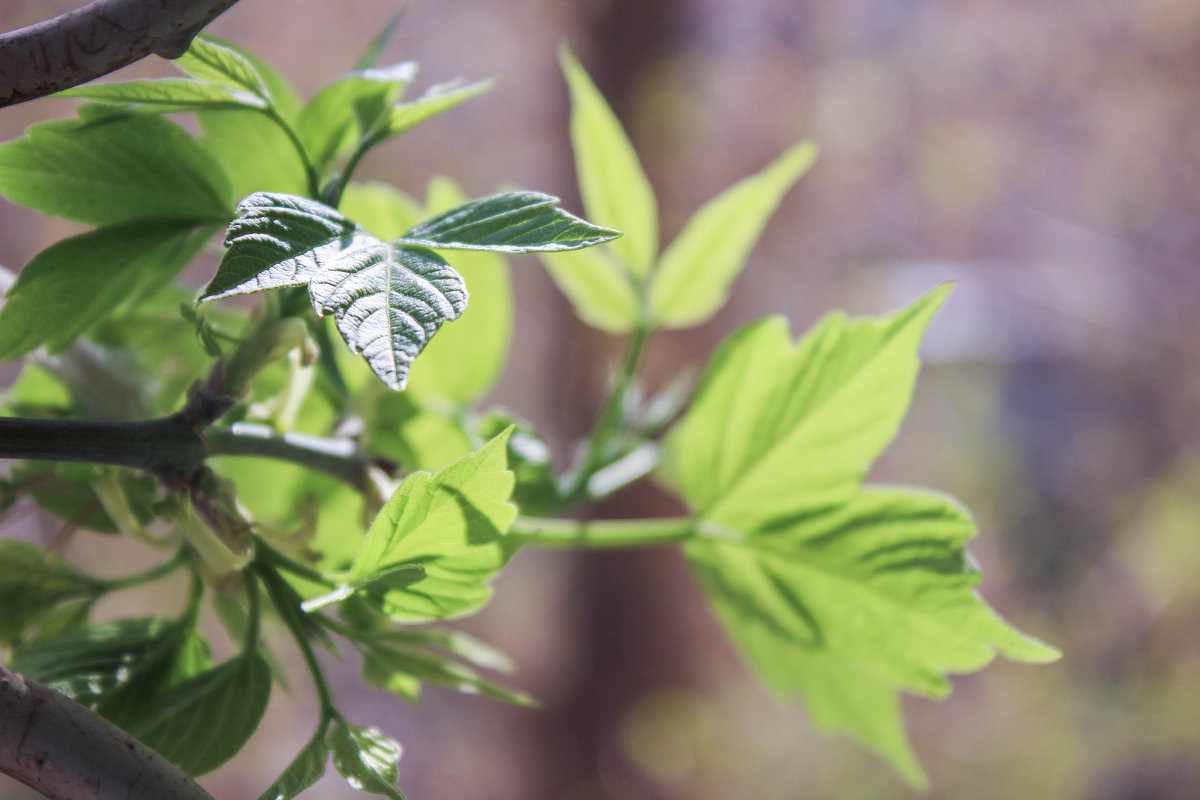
[
  {"x": 105, "y": 170},
  {"x": 88, "y": 664},
  {"x": 74, "y": 283},
  {"x": 387, "y": 299},
  {"x": 32, "y": 582},
  {"x": 168, "y": 94},
  {"x": 305, "y": 770},
  {"x": 201, "y": 723},
  {"x": 366, "y": 758},
  {"x": 512, "y": 222}
]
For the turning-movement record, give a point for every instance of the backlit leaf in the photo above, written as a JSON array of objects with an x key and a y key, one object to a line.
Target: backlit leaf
[
  {"x": 306, "y": 769},
  {"x": 168, "y": 94},
  {"x": 104, "y": 169},
  {"x": 436, "y": 100},
  {"x": 222, "y": 65},
  {"x": 693, "y": 276},
  {"x": 598, "y": 287},
  {"x": 616, "y": 192}
]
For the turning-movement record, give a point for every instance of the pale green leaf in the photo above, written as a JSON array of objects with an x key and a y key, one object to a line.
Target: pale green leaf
[
  {"x": 512, "y": 222},
  {"x": 168, "y": 94},
  {"x": 387, "y": 299},
  {"x": 366, "y": 758},
  {"x": 394, "y": 667},
  {"x": 306, "y": 769},
  {"x": 436, "y": 100},
  {"x": 778, "y": 428},
  {"x": 255, "y": 152},
  {"x": 693, "y": 276},
  {"x": 598, "y": 287},
  {"x": 280, "y": 93},
  {"x": 74, "y": 283},
  {"x": 452, "y": 524},
  {"x": 616, "y": 192},
  {"x": 220, "y": 64},
  {"x": 847, "y": 606},
  {"x": 346, "y": 110},
  {"x": 104, "y": 170},
  {"x": 468, "y": 355},
  {"x": 381, "y": 208},
  {"x": 201, "y": 723}
]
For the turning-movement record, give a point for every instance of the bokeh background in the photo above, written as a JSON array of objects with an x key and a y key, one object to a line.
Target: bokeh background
[{"x": 1045, "y": 156}]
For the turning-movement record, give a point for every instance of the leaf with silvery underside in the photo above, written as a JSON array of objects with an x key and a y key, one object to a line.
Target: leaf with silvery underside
[
  {"x": 387, "y": 299},
  {"x": 512, "y": 222}
]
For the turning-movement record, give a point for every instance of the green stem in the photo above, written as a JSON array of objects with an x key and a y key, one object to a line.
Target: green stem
[
  {"x": 253, "y": 612},
  {"x": 314, "y": 183},
  {"x": 291, "y": 617},
  {"x": 337, "y": 457},
  {"x": 610, "y": 419},
  {"x": 149, "y": 576},
  {"x": 604, "y": 533}
]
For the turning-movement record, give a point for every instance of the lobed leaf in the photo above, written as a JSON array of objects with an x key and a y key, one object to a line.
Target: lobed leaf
[
  {"x": 76, "y": 282},
  {"x": 105, "y": 169},
  {"x": 842, "y": 594},
  {"x": 693, "y": 276},
  {"x": 366, "y": 758},
  {"x": 512, "y": 222},
  {"x": 616, "y": 192}
]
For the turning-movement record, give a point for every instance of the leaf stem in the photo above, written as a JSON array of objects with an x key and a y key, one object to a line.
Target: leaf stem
[
  {"x": 609, "y": 421},
  {"x": 340, "y": 458},
  {"x": 283, "y": 562},
  {"x": 310, "y": 172},
  {"x": 604, "y": 533},
  {"x": 291, "y": 617},
  {"x": 149, "y": 576}
]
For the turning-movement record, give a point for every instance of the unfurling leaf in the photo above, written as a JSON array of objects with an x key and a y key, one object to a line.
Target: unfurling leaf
[{"x": 842, "y": 594}]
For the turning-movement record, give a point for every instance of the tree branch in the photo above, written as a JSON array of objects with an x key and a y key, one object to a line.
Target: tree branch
[
  {"x": 95, "y": 40},
  {"x": 65, "y": 751}
]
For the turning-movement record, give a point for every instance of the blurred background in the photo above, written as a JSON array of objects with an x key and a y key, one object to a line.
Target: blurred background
[{"x": 1045, "y": 156}]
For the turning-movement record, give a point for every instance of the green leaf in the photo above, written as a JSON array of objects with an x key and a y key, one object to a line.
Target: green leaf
[
  {"x": 76, "y": 282},
  {"x": 436, "y": 100},
  {"x": 467, "y": 356},
  {"x": 452, "y": 524},
  {"x": 512, "y": 222},
  {"x": 349, "y": 109},
  {"x": 778, "y": 429},
  {"x": 846, "y": 606},
  {"x": 306, "y": 769},
  {"x": 394, "y": 667},
  {"x": 220, "y": 64},
  {"x": 615, "y": 190},
  {"x": 104, "y": 170},
  {"x": 842, "y": 594},
  {"x": 86, "y": 665},
  {"x": 598, "y": 287},
  {"x": 168, "y": 94},
  {"x": 387, "y": 299},
  {"x": 693, "y": 277},
  {"x": 370, "y": 54},
  {"x": 255, "y": 152},
  {"x": 201, "y": 723},
  {"x": 32, "y": 582},
  {"x": 366, "y": 758},
  {"x": 280, "y": 93},
  {"x": 381, "y": 208}
]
